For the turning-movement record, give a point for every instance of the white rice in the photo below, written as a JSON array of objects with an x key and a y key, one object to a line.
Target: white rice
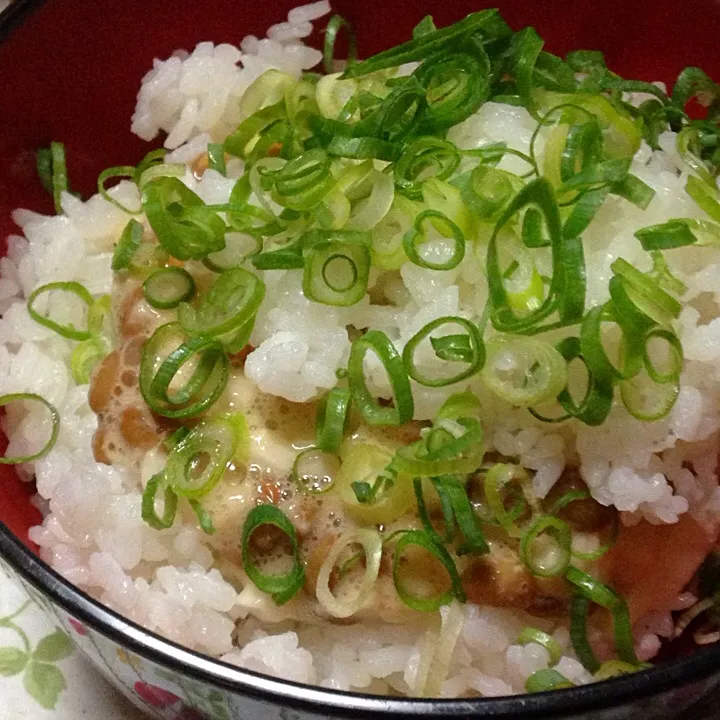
[{"x": 93, "y": 532}]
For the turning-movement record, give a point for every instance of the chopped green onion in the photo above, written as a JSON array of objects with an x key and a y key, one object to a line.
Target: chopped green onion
[
  {"x": 566, "y": 293},
  {"x": 591, "y": 590},
  {"x": 381, "y": 346},
  {"x": 524, "y": 371},
  {"x": 332, "y": 416},
  {"x": 669, "y": 235},
  {"x": 71, "y": 288},
  {"x": 196, "y": 464},
  {"x": 447, "y": 511},
  {"x": 548, "y": 562},
  {"x": 167, "y": 287},
  {"x": 451, "y": 487},
  {"x": 127, "y": 245},
  {"x": 472, "y": 355},
  {"x": 456, "y": 85},
  {"x": 165, "y": 357},
  {"x": 184, "y": 225},
  {"x": 497, "y": 480},
  {"x": 216, "y": 158},
  {"x": 315, "y": 470},
  {"x": 446, "y": 228},
  {"x": 335, "y": 24},
  {"x": 417, "y": 601},
  {"x": 533, "y": 635},
  {"x": 52, "y": 171},
  {"x": 282, "y": 586},
  {"x": 545, "y": 680},
  {"x": 365, "y": 464},
  {"x": 486, "y": 23},
  {"x": 337, "y": 267},
  {"x": 239, "y": 246},
  {"x": 452, "y": 446},
  {"x": 54, "y": 430},
  {"x": 424, "y": 158},
  {"x": 149, "y": 514},
  {"x": 120, "y": 171},
  {"x": 372, "y": 548},
  {"x": 597, "y": 402},
  {"x": 84, "y": 357},
  {"x": 616, "y": 668},
  {"x": 231, "y": 302},
  {"x": 637, "y": 298}
]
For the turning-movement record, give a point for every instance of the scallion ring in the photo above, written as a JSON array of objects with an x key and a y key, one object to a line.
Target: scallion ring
[
  {"x": 170, "y": 503},
  {"x": 282, "y": 586},
  {"x": 372, "y": 552},
  {"x": 70, "y": 288},
  {"x": 380, "y": 345},
  {"x": 444, "y": 227},
  {"x": 331, "y": 419},
  {"x": 54, "y": 429},
  {"x": 199, "y": 363},
  {"x": 198, "y": 461},
  {"x": 120, "y": 171},
  {"x": 550, "y": 561},
  {"x": 167, "y": 287},
  {"x": 127, "y": 245},
  {"x": 418, "y": 538},
  {"x": 533, "y": 635},
  {"x": 315, "y": 471},
  {"x": 524, "y": 371},
  {"x": 474, "y": 358}
]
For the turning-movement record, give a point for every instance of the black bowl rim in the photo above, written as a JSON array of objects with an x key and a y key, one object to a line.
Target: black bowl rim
[{"x": 560, "y": 703}]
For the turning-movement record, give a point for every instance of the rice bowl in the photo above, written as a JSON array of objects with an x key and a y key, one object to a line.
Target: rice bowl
[{"x": 171, "y": 581}]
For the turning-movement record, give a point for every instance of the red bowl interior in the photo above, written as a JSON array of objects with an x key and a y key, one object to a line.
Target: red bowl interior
[{"x": 72, "y": 70}]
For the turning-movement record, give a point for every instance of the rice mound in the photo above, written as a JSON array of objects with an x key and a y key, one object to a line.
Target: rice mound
[{"x": 93, "y": 532}]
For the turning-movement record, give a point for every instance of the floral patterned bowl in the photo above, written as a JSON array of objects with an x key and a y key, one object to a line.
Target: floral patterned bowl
[{"x": 70, "y": 70}]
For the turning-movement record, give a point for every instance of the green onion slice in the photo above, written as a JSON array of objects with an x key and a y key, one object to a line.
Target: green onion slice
[
  {"x": 127, "y": 245},
  {"x": 381, "y": 346},
  {"x": 337, "y": 267},
  {"x": 468, "y": 349},
  {"x": 497, "y": 481},
  {"x": 444, "y": 227},
  {"x": 548, "y": 561},
  {"x": 416, "y": 600},
  {"x": 282, "y": 586},
  {"x": 167, "y": 287},
  {"x": 184, "y": 225},
  {"x": 332, "y": 416},
  {"x": 335, "y": 24},
  {"x": 70, "y": 288},
  {"x": 54, "y": 429},
  {"x": 452, "y": 446},
  {"x": 120, "y": 171},
  {"x": 198, "y": 461},
  {"x": 372, "y": 547},
  {"x": 315, "y": 471},
  {"x": 545, "y": 680},
  {"x": 597, "y": 402},
  {"x": 533, "y": 635},
  {"x": 181, "y": 377},
  {"x": 589, "y": 589},
  {"x": 422, "y": 159},
  {"x": 216, "y": 158},
  {"x": 524, "y": 371},
  {"x": 170, "y": 503},
  {"x": 232, "y": 300}
]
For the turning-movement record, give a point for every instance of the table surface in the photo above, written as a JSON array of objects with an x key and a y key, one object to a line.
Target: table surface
[{"x": 42, "y": 675}]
